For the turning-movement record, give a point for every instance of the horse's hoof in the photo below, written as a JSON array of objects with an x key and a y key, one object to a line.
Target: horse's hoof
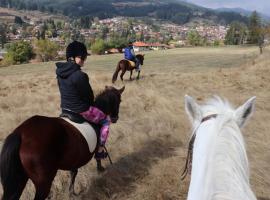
[{"x": 101, "y": 169}]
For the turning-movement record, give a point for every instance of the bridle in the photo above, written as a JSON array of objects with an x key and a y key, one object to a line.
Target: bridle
[{"x": 188, "y": 164}]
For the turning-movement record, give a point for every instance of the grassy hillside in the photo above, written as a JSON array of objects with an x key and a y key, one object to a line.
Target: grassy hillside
[
  {"x": 173, "y": 10},
  {"x": 149, "y": 142}
]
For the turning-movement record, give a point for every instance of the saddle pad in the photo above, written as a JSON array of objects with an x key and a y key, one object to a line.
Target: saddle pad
[
  {"x": 88, "y": 133},
  {"x": 132, "y": 64}
]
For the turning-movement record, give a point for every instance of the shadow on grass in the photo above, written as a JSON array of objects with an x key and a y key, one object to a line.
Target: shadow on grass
[
  {"x": 119, "y": 178},
  {"x": 263, "y": 198}
]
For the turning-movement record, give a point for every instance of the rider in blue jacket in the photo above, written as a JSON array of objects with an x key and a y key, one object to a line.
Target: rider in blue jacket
[{"x": 130, "y": 55}]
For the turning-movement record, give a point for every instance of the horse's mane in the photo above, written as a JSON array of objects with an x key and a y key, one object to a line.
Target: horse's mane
[
  {"x": 105, "y": 96},
  {"x": 140, "y": 55},
  {"x": 217, "y": 105}
]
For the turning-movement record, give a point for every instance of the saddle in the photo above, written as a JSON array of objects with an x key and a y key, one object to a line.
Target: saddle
[
  {"x": 132, "y": 64},
  {"x": 72, "y": 116},
  {"x": 89, "y": 130}
]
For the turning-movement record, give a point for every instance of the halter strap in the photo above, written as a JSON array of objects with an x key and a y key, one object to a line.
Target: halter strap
[
  {"x": 188, "y": 163},
  {"x": 208, "y": 117}
]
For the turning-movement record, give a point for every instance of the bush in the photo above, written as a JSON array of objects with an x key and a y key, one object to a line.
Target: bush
[
  {"x": 46, "y": 50},
  {"x": 216, "y": 43},
  {"x": 194, "y": 38},
  {"x": 98, "y": 47},
  {"x": 18, "y": 52}
]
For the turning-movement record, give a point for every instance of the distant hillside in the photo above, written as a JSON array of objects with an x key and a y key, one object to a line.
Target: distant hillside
[
  {"x": 242, "y": 12},
  {"x": 177, "y": 11}
]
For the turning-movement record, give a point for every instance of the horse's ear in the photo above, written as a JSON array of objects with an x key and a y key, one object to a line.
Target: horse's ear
[
  {"x": 122, "y": 90},
  {"x": 244, "y": 112},
  {"x": 193, "y": 110}
]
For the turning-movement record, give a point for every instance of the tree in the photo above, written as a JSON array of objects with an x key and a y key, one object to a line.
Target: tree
[
  {"x": 256, "y": 31},
  {"x": 46, "y": 49},
  {"x": 18, "y": 52},
  {"x": 85, "y": 22},
  {"x": 117, "y": 42},
  {"x": 237, "y": 34},
  {"x": 194, "y": 38},
  {"x": 216, "y": 43},
  {"x": 98, "y": 47},
  {"x": 3, "y": 35},
  {"x": 255, "y": 26},
  {"x": 103, "y": 32},
  {"x": 18, "y": 20},
  {"x": 76, "y": 35}
]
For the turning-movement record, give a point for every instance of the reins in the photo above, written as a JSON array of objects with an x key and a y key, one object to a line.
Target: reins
[{"x": 188, "y": 164}]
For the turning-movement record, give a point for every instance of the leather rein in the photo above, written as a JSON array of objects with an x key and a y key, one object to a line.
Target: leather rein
[{"x": 188, "y": 164}]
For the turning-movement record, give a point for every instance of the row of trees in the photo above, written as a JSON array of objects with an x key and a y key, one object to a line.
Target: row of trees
[
  {"x": 22, "y": 51},
  {"x": 253, "y": 33}
]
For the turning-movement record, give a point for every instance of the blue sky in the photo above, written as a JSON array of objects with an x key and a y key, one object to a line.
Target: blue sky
[{"x": 259, "y": 5}]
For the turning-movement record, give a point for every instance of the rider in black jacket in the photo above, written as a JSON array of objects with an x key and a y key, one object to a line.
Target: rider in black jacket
[
  {"x": 77, "y": 95},
  {"x": 76, "y": 92}
]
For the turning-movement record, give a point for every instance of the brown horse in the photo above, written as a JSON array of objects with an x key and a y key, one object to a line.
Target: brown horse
[
  {"x": 125, "y": 65},
  {"x": 42, "y": 145}
]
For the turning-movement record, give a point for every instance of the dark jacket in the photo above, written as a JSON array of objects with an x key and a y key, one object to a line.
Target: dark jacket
[{"x": 76, "y": 92}]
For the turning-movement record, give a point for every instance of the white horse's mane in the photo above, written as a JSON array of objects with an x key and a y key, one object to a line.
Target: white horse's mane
[
  {"x": 219, "y": 165},
  {"x": 218, "y": 105}
]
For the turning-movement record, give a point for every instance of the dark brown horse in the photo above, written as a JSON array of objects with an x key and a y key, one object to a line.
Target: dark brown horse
[
  {"x": 125, "y": 65},
  {"x": 42, "y": 145}
]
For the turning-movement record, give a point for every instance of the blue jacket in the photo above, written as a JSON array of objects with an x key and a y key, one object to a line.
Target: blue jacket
[
  {"x": 75, "y": 90},
  {"x": 128, "y": 53}
]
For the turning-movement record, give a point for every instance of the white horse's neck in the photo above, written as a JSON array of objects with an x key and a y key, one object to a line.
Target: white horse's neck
[{"x": 219, "y": 164}]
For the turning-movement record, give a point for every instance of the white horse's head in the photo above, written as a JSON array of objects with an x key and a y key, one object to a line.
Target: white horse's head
[
  {"x": 217, "y": 151},
  {"x": 218, "y": 106}
]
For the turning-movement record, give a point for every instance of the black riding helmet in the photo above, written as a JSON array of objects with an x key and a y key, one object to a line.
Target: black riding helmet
[
  {"x": 130, "y": 43},
  {"x": 76, "y": 48}
]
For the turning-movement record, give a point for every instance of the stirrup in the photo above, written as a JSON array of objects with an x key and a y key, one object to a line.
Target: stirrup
[{"x": 101, "y": 155}]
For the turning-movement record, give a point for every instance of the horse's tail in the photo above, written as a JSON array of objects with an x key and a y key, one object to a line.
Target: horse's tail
[
  {"x": 11, "y": 169},
  {"x": 115, "y": 74}
]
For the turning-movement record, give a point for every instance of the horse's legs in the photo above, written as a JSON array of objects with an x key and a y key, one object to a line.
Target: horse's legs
[
  {"x": 138, "y": 76},
  {"x": 43, "y": 184},
  {"x": 130, "y": 74},
  {"x": 17, "y": 191},
  {"x": 73, "y": 174},
  {"x": 100, "y": 168},
  {"x": 122, "y": 74}
]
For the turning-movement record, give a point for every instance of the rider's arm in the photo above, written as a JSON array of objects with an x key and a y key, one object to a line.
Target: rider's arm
[
  {"x": 132, "y": 52},
  {"x": 83, "y": 87}
]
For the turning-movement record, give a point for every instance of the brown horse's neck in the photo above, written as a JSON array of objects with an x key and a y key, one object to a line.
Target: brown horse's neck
[{"x": 140, "y": 57}]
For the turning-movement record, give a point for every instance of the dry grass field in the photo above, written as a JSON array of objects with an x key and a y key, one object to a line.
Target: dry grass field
[{"x": 148, "y": 144}]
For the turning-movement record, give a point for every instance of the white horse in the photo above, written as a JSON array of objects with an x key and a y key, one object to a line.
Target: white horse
[{"x": 220, "y": 168}]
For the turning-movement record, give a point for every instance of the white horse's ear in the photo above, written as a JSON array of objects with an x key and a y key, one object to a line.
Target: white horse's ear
[
  {"x": 193, "y": 110},
  {"x": 244, "y": 112}
]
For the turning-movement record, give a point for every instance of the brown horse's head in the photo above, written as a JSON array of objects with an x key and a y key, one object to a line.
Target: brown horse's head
[
  {"x": 109, "y": 102},
  {"x": 140, "y": 57}
]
